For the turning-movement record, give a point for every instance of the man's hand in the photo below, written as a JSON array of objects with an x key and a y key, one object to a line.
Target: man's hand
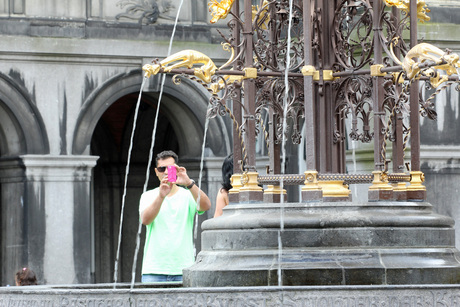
[
  {"x": 182, "y": 177},
  {"x": 165, "y": 187}
]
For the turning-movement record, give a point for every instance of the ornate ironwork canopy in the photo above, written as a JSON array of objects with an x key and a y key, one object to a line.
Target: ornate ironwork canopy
[{"x": 310, "y": 67}]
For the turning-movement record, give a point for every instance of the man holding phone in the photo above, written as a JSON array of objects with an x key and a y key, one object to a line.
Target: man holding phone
[{"x": 168, "y": 213}]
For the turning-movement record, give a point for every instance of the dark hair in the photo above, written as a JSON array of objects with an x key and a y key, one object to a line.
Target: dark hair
[
  {"x": 26, "y": 277},
  {"x": 227, "y": 172},
  {"x": 166, "y": 154}
]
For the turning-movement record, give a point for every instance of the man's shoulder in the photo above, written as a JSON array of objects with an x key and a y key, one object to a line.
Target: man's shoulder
[{"x": 150, "y": 192}]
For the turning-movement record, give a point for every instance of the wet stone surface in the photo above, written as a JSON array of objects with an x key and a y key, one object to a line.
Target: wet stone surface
[{"x": 363, "y": 296}]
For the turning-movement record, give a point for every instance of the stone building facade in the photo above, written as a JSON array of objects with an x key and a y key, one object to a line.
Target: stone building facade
[{"x": 70, "y": 78}]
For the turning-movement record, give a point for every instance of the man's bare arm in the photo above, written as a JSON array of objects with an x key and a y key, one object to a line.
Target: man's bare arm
[
  {"x": 150, "y": 213},
  {"x": 205, "y": 203}
]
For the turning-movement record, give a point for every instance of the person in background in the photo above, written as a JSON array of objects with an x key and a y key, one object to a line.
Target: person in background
[
  {"x": 222, "y": 195},
  {"x": 168, "y": 213},
  {"x": 25, "y": 277}
]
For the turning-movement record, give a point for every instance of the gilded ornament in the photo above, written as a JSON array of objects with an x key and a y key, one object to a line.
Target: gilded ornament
[
  {"x": 404, "y": 5},
  {"x": 185, "y": 58},
  {"x": 424, "y": 52},
  {"x": 219, "y": 10}
]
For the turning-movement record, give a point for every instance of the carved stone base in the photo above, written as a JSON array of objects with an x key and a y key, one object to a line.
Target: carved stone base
[
  {"x": 251, "y": 196},
  {"x": 273, "y": 194},
  {"x": 312, "y": 195},
  {"x": 233, "y": 197},
  {"x": 400, "y": 195},
  {"x": 400, "y": 191},
  {"x": 326, "y": 243},
  {"x": 378, "y": 195},
  {"x": 416, "y": 195},
  {"x": 273, "y": 198},
  {"x": 337, "y": 199}
]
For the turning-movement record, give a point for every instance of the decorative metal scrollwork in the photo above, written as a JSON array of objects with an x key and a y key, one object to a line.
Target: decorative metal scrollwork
[
  {"x": 270, "y": 43},
  {"x": 353, "y": 35},
  {"x": 354, "y": 96},
  {"x": 271, "y": 96}
]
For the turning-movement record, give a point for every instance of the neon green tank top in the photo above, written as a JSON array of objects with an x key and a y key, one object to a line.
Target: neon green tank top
[{"x": 169, "y": 238}]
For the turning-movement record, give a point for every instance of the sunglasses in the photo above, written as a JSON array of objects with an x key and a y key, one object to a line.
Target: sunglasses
[{"x": 162, "y": 169}]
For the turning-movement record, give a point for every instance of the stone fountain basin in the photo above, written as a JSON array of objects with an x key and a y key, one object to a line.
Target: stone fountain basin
[
  {"x": 326, "y": 243},
  {"x": 174, "y": 295}
]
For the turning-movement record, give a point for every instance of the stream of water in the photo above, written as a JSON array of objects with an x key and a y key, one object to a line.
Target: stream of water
[
  {"x": 195, "y": 231},
  {"x": 283, "y": 161},
  {"x": 283, "y": 143},
  {"x": 136, "y": 252},
  {"x": 152, "y": 145},
  {"x": 123, "y": 201}
]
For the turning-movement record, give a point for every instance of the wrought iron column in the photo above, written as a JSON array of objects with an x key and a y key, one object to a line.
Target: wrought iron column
[
  {"x": 399, "y": 188},
  {"x": 311, "y": 191},
  {"x": 273, "y": 192},
  {"x": 237, "y": 113},
  {"x": 250, "y": 190},
  {"x": 331, "y": 159},
  {"x": 415, "y": 191},
  {"x": 380, "y": 189}
]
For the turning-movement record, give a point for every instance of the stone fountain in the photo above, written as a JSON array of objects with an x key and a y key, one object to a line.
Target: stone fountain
[
  {"x": 345, "y": 64},
  {"x": 327, "y": 239}
]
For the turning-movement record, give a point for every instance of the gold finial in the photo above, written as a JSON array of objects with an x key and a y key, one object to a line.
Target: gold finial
[
  {"x": 404, "y": 5},
  {"x": 219, "y": 10}
]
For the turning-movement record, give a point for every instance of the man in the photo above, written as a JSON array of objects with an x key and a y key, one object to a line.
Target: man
[{"x": 168, "y": 212}]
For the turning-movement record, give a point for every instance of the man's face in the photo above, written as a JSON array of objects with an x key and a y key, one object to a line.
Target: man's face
[{"x": 162, "y": 167}]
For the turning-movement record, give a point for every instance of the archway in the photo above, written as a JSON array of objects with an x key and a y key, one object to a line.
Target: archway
[
  {"x": 111, "y": 141},
  {"x": 22, "y": 132},
  {"x": 106, "y": 123}
]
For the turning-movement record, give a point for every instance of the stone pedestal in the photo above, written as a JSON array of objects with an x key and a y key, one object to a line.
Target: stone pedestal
[{"x": 326, "y": 243}]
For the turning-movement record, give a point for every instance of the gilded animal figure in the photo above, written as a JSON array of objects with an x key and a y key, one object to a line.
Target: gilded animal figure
[
  {"x": 188, "y": 58},
  {"x": 426, "y": 52},
  {"x": 184, "y": 58}
]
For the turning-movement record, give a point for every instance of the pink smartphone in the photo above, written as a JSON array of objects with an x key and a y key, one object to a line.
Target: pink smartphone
[{"x": 172, "y": 173}]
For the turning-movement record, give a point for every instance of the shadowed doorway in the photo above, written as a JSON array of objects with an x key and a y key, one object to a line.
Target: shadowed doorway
[{"x": 111, "y": 141}]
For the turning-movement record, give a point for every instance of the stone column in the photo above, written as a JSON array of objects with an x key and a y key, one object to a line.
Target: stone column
[
  {"x": 13, "y": 222},
  {"x": 57, "y": 216}
]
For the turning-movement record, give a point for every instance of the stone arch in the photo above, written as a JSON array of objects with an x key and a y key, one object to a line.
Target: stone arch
[
  {"x": 22, "y": 133},
  {"x": 22, "y": 130},
  {"x": 183, "y": 109},
  {"x": 97, "y": 103},
  {"x": 187, "y": 111}
]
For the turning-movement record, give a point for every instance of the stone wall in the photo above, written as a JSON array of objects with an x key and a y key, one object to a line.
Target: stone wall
[{"x": 62, "y": 65}]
